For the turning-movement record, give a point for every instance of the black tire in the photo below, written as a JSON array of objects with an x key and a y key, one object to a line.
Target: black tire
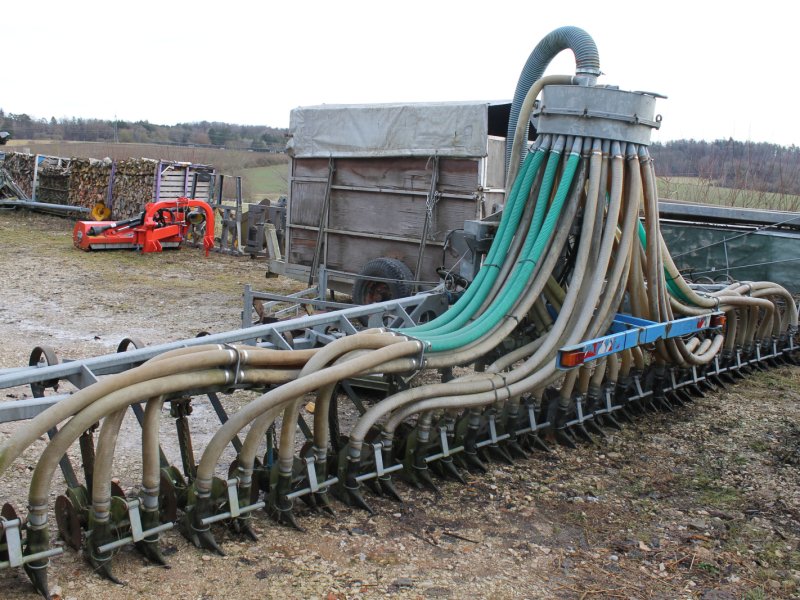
[{"x": 366, "y": 291}]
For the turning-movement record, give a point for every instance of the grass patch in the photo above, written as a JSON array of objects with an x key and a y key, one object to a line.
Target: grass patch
[
  {"x": 709, "y": 568},
  {"x": 270, "y": 181},
  {"x": 711, "y": 493}
]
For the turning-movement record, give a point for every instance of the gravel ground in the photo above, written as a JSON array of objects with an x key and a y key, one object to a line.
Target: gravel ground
[{"x": 700, "y": 503}]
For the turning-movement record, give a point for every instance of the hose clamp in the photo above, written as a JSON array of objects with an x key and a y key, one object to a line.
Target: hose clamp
[
  {"x": 494, "y": 389},
  {"x": 505, "y": 384},
  {"x": 236, "y": 373},
  {"x": 423, "y": 347}
]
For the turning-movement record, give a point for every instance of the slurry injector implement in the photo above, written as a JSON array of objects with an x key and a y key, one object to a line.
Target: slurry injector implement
[{"x": 577, "y": 321}]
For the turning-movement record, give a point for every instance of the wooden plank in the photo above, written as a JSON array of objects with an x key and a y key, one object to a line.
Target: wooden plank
[
  {"x": 273, "y": 247},
  {"x": 179, "y": 187},
  {"x": 306, "y": 202},
  {"x": 405, "y": 173},
  {"x": 495, "y": 163},
  {"x": 491, "y": 203},
  {"x": 176, "y": 184},
  {"x": 301, "y": 246},
  {"x": 310, "y": 167},
  {"x": 379, "y": 213},
  {"x": 395, "y": 214},
  {"x": 459, "y": 175},
  {"x": 408, "y": 173}
]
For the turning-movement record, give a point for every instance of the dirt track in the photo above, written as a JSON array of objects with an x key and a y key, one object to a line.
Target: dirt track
[{"x": 702, "y": 503}]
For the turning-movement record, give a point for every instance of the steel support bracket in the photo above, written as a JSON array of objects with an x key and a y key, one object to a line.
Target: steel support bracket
[
  {"x": 10, "y": 528},
  {"x": 233, "y": 504},
  {"x": 137, "y": 533}
]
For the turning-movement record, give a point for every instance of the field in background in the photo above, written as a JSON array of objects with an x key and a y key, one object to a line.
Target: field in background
[
  {"x": 260, "y": 170},
  {"x": 705, "y": 191},
  {"x": 268, "y": 182},
  {"x": 265, "y": 174}
]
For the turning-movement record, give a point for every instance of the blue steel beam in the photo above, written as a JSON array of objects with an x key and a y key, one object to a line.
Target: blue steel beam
[{"x": 628, "y": 332}]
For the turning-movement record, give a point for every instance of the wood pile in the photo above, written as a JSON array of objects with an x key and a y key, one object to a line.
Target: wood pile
[
  {"x": 88, "y": 181},
  {"x": 134, "y": 186},
  {"x": 52, "y": 184},
  {"x": 20, "y": 167},
  {"x": 85, "y": 181}
]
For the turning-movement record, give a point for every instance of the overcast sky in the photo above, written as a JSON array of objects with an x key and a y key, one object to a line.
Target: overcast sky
[{"x": 729, "y": 69}]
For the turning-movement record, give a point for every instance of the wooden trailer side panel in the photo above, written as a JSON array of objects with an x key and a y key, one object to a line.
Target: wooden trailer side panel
[
  {"x": 456, "y": 175},
  {"x": 306, "y": 204},
  {"x": 301, "y": 250},
  {"x": 396, "y": 215},
  {"x": 377, "y": 207},
  {"x": 495, "y": 163}
]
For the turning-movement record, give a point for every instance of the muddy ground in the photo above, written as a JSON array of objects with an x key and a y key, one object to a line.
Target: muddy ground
[{"x": 700, "y": 503}]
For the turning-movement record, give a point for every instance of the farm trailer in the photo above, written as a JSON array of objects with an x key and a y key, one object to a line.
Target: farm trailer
[
  {"x": 392, "y": 188},
  {"x": 375, "y": 189}
]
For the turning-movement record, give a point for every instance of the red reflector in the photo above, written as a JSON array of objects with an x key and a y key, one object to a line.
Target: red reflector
[
  {"x": 718, "y": 320},
  {"x": 573, "y": 358}
]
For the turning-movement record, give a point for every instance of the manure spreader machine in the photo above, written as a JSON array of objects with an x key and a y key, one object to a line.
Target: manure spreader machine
[{"x": 576, "y": 322}]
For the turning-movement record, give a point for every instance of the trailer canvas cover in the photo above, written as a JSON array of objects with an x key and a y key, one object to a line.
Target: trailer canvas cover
[{"x": 456, "y": 129}]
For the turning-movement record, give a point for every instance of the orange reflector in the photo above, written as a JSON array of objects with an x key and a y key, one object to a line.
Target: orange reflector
[
  {"x": 718, "y": 320},
  {"x": 573, "y": 358}
]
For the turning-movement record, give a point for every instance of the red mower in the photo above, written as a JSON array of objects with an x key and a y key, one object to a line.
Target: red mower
[{"x": 162, "y": 224}]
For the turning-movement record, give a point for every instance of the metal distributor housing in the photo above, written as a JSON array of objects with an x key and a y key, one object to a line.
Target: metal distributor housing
[{"x": 597, "y": 111}]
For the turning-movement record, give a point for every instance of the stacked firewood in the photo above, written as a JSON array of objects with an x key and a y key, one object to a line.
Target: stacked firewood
[
  {"x": 53, "y": 181},
  {"x": 20, "y": 167},
  {"x": 85, "y": 181},
  {"x": 134, "y": 186},
  {"x": 88, "y": 181}
]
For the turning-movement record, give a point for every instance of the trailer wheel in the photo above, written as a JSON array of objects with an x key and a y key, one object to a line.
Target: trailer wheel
[{"x": 367, "y": 291}]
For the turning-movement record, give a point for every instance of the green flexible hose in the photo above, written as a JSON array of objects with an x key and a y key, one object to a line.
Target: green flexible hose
[
  {"x": 541, "y": 205},
  {"x": 476, "y": 293},
  {"x": 538, "y": 237},
  {"x": 672, "y": 288}
]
